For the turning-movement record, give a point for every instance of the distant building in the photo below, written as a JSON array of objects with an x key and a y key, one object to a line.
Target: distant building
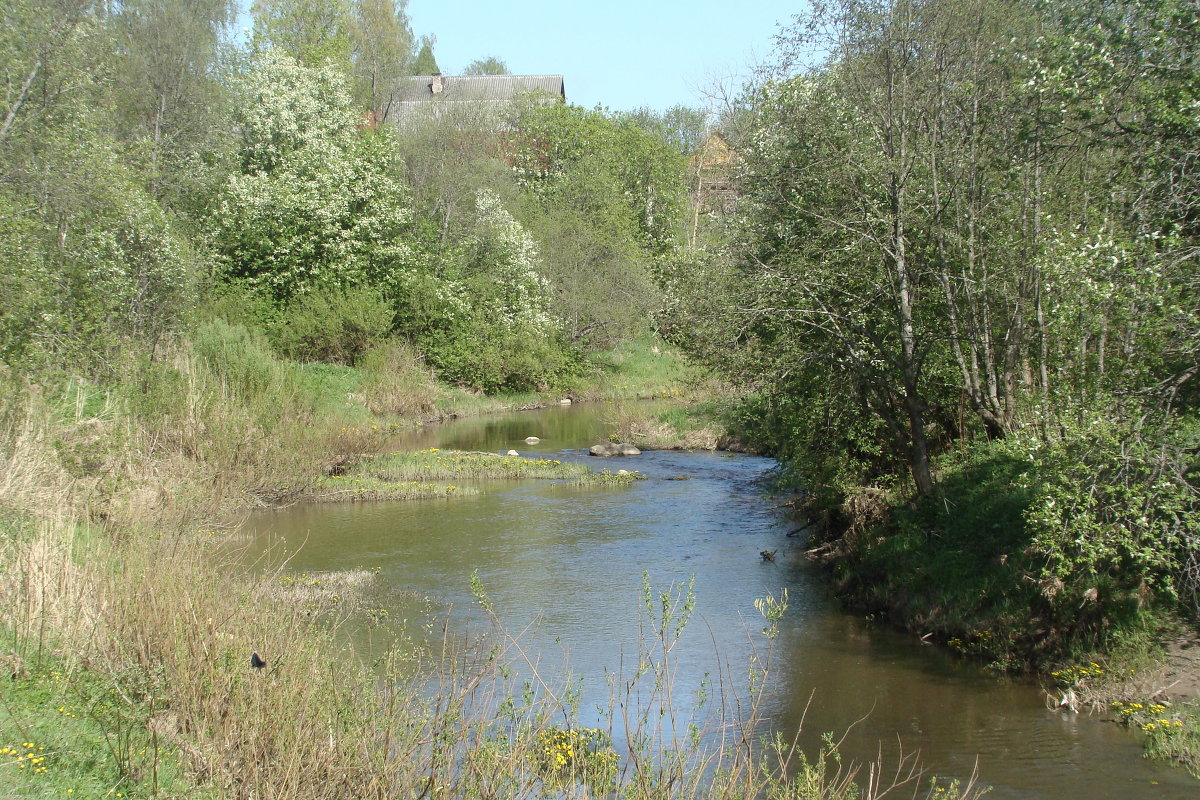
[
  {"x": 713, "y": 166},
  {"x": 418, "y": 96},
  {"x": 712, "y": 170}
]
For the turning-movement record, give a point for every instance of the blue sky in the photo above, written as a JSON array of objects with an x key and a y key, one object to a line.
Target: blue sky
[{"x": 621, "y": 54}]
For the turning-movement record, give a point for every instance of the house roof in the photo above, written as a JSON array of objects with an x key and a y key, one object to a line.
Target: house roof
[{"x": 474, "y": 88}]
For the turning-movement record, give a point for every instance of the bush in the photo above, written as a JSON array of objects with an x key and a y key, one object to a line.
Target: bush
[
  {"x": 333, "y": 325},
  {"x": 241, "y": 357},
  {"x": 494, "y": 357},
  {"x": 1117, "y": 515}
]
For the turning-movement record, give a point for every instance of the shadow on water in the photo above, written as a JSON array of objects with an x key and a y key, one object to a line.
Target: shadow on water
[{"x": 564, "y": 566}]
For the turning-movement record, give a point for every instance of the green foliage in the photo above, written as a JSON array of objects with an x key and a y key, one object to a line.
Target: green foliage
[
  {"x": 425, "y": 63},
  {"x": 243, "y": 359},
  {"x": 486, "y": 66},
  {"x": 606, "y": 199},
  {"x": 949, "y": 264},
  {"x": 82, "y": 732},
  {"x": 1034, "y": 552},
  {"x": 113, "y": 268},
  {"x": 682, "y": 127},
  {"x": 314, "y": 32},
  {"x": 960, "y": 565},
  {"x": 168, "y": 102},
  {"x": 608, "y": 169},
  {"x": 480, "y": 351},
  {"x": 383, "y": 43},
  {"x": 332, "y": 325},
  {"x": 1117, "y": 514},
  {"x": 484, "y": 315}
]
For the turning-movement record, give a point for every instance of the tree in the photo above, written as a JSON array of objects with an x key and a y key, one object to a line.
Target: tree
[
  {"x": 634, "y": 179},
  {"x": 449, "y": 155},
  {"x": 166, "y": 92},
  {"x": 606, "y": 199},
  {"x": 383, "y": 51},
  {"x": 317, "y": 203},
  {"x": 855, "y": 128},
  {"x": 314, "y": 32},
  {"x": 487, "y": 66},
  {"x": 425, "y": 63},
  {"x": 680, "y": 126},
  {"x": 957, "y": 222},
  {"x": 48, "y": 53}
]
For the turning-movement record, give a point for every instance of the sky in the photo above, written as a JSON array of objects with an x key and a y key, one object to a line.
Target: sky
[{"x": 620, "y": 54}]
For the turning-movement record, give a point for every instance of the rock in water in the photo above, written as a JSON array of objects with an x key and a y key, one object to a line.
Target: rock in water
[
  {"x": 532, "y": 440},
  {"x": 607, "y": 449}
]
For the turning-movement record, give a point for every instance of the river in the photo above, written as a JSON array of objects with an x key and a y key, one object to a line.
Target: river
[{"x": 564, "y": 566}]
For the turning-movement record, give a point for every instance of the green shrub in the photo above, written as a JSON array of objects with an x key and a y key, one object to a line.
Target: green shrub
[
  {"x": 241, "y": 357},
  {"x": 333, "y": 325},
  {"x": 238, "y": 303},
  {"x": 494, "y": 357},
  {"x": 1117, "y": 516}
]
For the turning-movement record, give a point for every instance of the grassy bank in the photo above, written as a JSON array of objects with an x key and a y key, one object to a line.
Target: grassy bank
[{"x": 131, "y": 636}]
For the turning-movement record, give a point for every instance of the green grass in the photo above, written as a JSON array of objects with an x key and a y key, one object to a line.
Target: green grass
[
  {"x": 72, "y": 732},
  {"x": 953, "y": 565},
  {"x": 435, "y": 464},
  {"x": 636, "y": 370},
  {"x": 1172, "y": 734},
  {"x": 433, "y": 473},
  {"x": 701, "y": 425},
  {"x": 965, "y": 565},
  {"x": 350, "y": 489}
]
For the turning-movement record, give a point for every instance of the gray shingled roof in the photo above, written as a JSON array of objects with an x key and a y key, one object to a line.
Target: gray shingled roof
[{"x": 476, "y": 88}]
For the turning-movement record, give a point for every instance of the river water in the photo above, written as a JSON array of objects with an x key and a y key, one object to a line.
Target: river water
[{"x": 563, "y": 566}]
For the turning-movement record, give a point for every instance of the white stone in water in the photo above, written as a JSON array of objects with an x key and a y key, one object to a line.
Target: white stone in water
[
  {"x": 512, "y": 453},
  {"x": 566, "y": 401},
  {"x": 532, "y": 440},
  {"x": 622, "y": 472}
]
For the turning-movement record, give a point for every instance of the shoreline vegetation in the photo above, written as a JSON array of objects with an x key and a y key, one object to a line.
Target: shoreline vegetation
[
  {"x": 957, "y": 568},
  {"x": 127, "y": 654},
  {"x": 427, "y": 474}
]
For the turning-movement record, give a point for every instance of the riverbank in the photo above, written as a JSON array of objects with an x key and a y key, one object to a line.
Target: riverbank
[
  {"x": 142, "y": 662},
  {"x": 971, "y": 567}
]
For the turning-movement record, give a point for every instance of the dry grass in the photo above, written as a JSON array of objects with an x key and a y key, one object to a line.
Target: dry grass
[
  {"x": 398, "y": 382},
  {"x": 676, "y": 431}
]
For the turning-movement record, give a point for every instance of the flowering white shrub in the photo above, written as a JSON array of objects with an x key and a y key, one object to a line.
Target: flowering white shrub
[
  {"x": 508, "y": 254},
  {"x": 317, "y": 202},
  {"x": 284, "y": 107}
]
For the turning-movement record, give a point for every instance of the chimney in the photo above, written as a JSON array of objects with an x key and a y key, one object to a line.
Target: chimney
[{"x": 439, "y": 84}]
